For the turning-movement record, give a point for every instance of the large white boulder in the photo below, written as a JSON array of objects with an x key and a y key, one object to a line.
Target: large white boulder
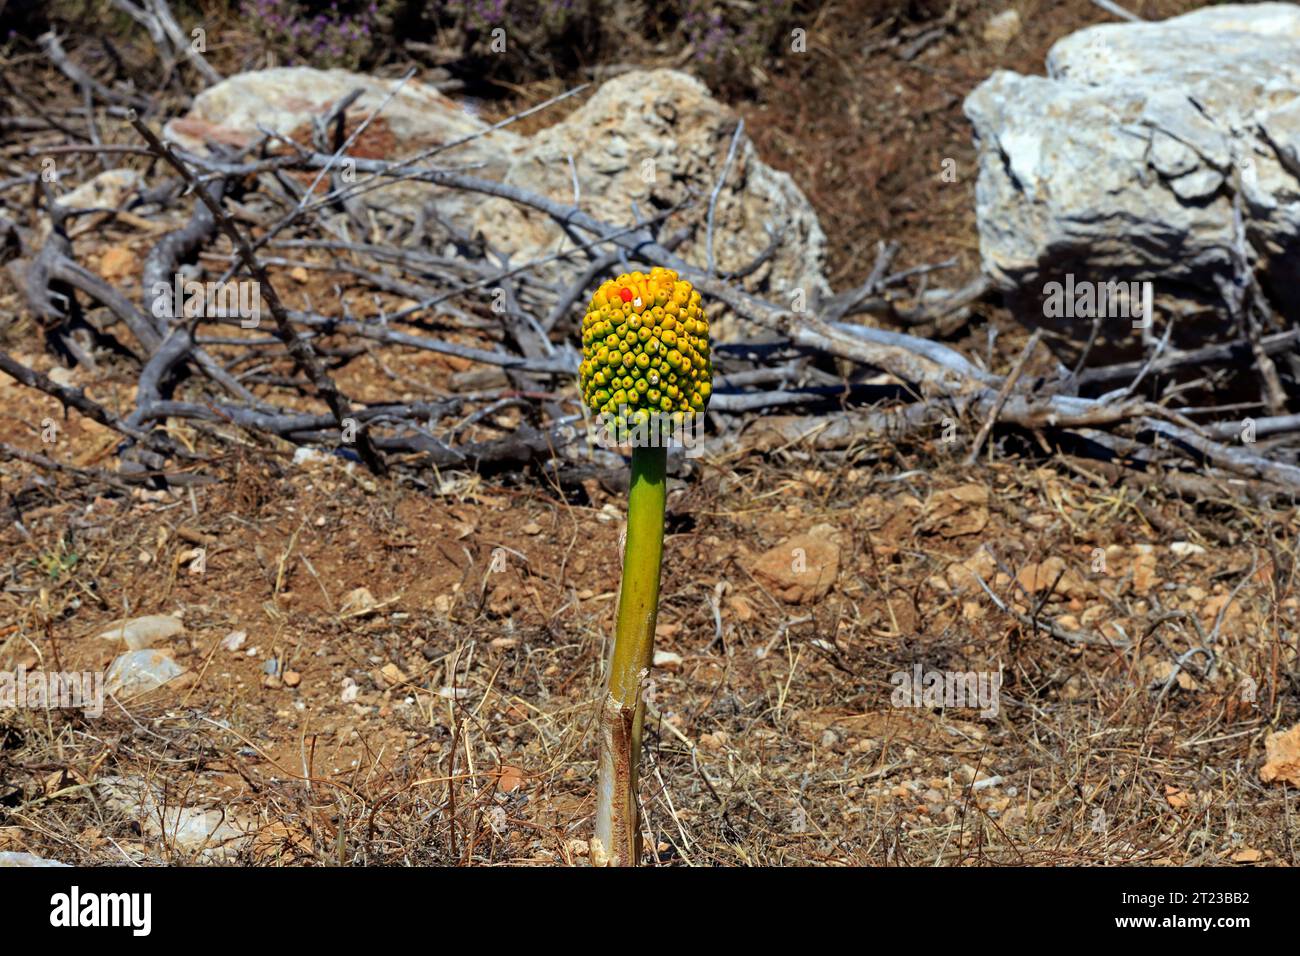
[
  {"x": 289, "y": 101},
  {"x": 1122, "y": 165},
  {"x": 656, "y": 139}
]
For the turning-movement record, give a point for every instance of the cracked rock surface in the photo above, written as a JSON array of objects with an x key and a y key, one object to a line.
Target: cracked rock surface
[{"x": 1126, "y": 161}]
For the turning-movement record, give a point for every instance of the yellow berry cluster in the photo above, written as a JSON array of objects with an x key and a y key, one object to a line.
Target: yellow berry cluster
[{"x": 645, "y": 348}]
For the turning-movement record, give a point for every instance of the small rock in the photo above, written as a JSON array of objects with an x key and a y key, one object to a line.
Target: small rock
[
  {"x": 350, "y": 690},
  {"x": 117, "y": 263},
  {"x": 1144, "y": 568},
  {"x": 143, "y": 632},
  {"x": 137, "y": 672},
  {"x": 510, "y": 779},
  {"x": 1283, "y": 757},
  {"x": 966, "y": 576},
  {"x": 714, "y": 741},
  {"x": 292, "y": 678},
  {"x": 1185, "y": 549},
  {"x": 531, "y": 528},
  {"x": 8, "y": 858},
  {"x": 358, "y": 602},
  {"x": 234, "y": 640},
  {"x": 667, "y": 660},
  {"x": 741, "y": 607},
  {"x": 107, "y": 190},
  {"x": 802, "y": 569},
  {"x": 304, "y": 455},
  {"x": 1001, "y": 29},
  {"x": 956, "y": 512},
  {"x": 1039, "y": 577}
]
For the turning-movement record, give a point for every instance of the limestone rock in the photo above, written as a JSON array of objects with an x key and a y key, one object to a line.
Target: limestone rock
[
  {"x": 801, "y": 570},
  {"x": 142, "y": 632},
  {"x": 290, "y": 100},
  {"x": 1121, "y": 165},
  {"x": 209, "y": 834},
  {"x": 9, "y": 858},
  {"x": 1283, "y": 753},
  {"x": 138, "y": 672},
  {"x": 653, "y": 139}
]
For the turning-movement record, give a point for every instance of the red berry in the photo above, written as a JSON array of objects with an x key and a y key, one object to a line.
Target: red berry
[{"x": 625, "y": 294}]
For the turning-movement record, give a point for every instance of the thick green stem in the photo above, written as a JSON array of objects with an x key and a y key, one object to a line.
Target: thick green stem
[{"x": 623, "y": 708}]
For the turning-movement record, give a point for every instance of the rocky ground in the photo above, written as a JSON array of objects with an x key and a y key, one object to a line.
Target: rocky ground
[
  {"x": 373, "y": 671},
  {"x": 377, "y": 676}
]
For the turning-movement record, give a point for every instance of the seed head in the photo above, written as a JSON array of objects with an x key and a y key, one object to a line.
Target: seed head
[{"x": 645, "y": 348}]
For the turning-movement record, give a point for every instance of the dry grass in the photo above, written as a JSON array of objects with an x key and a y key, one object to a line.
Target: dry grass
[{"x": 774, "y": 744}]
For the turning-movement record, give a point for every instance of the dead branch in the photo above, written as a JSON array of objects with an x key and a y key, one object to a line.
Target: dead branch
[
  {"x": 516, "y": 406},
  {"x": 302, "y": 351}
]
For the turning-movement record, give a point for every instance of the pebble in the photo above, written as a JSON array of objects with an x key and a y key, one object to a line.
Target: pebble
[
  {"x": 8, "y": 858},
  {"x": 136, "y": 672},
  {"x": 667, "y": 660},
  {"x": 143, "y": 632}
]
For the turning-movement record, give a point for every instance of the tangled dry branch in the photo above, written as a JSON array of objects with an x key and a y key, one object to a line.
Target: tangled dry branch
[{"x": 847, "y": 380}]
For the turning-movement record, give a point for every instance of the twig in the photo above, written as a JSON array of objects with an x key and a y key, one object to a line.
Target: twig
[
  {"x": 1060, "y": 633},
  {"x": 713, "y": 197},
  {"x": 1001, "y": 400},
  {"x": 54, "y": 50},
  {"x": 1114, "y": 9}
]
